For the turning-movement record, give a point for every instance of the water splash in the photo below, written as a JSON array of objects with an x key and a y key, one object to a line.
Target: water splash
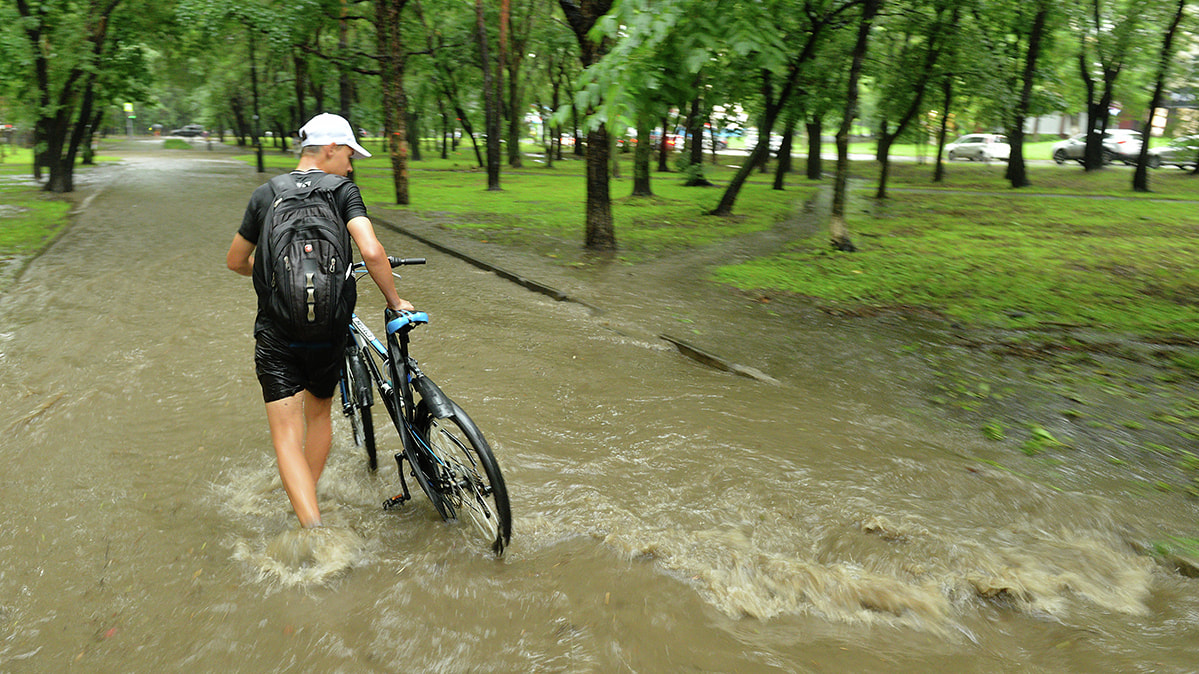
[{"x": 302, "y": 557}]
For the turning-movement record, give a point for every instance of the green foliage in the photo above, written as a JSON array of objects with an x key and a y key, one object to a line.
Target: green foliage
[{"x": 1039, "y": 440}]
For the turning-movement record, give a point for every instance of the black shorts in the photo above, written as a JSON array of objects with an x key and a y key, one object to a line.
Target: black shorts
[{"x": 285, "y": 368}]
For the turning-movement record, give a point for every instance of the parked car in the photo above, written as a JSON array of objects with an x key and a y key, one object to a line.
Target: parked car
[
  {"x": 1122, "y": 145},
  {"x": 1181, "y": 152},
  {"x": 979, "y": 147},
  {"x": 1118, "y": 145},
  {"x": 189, "y": 130}
]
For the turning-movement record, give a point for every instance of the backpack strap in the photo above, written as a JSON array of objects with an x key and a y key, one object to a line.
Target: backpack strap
[{"x": 330, "y": 181}]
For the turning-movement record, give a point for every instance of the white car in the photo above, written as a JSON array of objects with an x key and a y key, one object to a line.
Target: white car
[
  {"x": 1181, "y": 152},
  {"x": 1118, "y": 145},
  {"x": 979, "y": 146}
]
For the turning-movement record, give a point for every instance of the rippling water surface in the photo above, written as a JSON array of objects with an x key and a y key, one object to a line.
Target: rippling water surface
[{"x": 668, "y": 517}]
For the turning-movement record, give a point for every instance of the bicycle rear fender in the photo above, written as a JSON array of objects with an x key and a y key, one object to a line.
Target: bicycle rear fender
[{"x": 438, "y": 403}]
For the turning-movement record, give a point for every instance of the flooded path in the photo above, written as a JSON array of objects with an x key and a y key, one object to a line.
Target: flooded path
[{"x": 668, "y": 517}]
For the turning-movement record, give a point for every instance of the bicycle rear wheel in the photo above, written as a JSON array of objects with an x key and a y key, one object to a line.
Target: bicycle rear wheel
[
  {"x": 461, "y": 470},
  {"x": 358, "y": 407}
]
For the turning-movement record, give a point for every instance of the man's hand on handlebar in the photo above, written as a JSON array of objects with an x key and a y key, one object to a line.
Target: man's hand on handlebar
[{"x": 404, "y": 305}]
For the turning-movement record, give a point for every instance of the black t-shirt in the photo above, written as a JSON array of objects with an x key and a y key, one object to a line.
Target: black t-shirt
[{"x": 346, "y": 202}]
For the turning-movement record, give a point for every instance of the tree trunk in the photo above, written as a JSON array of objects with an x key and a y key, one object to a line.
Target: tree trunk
[
  {"x": 89, "y": 138},
  {"x": 414, "y": 132},
  {"x": 394, "y": 101},
  {"x": 815, "y": 130},
  {"x": 490, "y": 103},
  {"x": 695, "y": 144},
  {"x": 784, "y": 154},
  {"x": 943, "y": 132},
  {"x": 838, "y": 227},
  {"x": 300, "y": 84},
  {"x": 663, "y": 151},
  {"x": 1095, "y": 155},
  {"x": 1016, "y": 173},
  {"x": 600, "y": 231},
  {"x": 1140, "y": 179},
  {"x": 641, "y": 156}
]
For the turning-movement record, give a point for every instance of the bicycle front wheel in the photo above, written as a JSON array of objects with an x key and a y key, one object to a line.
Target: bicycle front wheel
[{"x": 463, "y": 472}]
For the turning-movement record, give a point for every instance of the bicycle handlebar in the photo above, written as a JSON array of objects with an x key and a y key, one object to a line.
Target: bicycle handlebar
[
  {"x": 360, "y": 266},
  {"x": 401, "y": 261}
]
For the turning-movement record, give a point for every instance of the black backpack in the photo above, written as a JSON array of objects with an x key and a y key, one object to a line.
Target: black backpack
[{"x": 305, "y": 255}]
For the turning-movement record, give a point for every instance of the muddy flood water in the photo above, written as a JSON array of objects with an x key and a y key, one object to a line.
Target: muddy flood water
[{"x": 668, "y": 516}]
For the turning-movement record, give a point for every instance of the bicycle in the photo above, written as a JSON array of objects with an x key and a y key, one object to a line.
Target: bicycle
[{"x": 446, "y": 452}]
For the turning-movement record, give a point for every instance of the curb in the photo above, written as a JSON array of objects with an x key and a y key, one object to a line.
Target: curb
[
  {"x": 694, "y": 353},
  {"x": 530, "y": 284}
]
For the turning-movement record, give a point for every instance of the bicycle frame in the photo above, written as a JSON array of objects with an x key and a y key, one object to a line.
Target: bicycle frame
[
  {"x": 448, "y": 455},
  {"x": 395, "y": 374},
  {"x": 398, "y": 400}
]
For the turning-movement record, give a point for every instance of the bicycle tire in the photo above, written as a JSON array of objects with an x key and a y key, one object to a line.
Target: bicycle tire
[
  {"x": 462, "y": 489},
  {"x": 368, "y": 434},
  {"x": 359, "y": 409}
]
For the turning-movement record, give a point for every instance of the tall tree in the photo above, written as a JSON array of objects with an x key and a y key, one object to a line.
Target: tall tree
[
  {"x": 443, "y": 49},
  {"x": 392, "y": 55},
  {"x": 1140, "y": 179},
  {"x": 520, "y": 27},
  {"x": 785, "y": 51},
  {"x": 1106, "y": 33},
  {"x": 838, "y": 227},
  {"x": 1016, "y": 174},
  {"x": 491, "y": 106},
  {"x": 919, "y": 34},
  {"x": 582, "y": 15},
  {"x": 67, "y": 42}
]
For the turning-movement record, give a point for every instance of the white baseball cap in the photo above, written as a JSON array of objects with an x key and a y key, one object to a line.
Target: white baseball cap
[{"x": 328, "y": 128}]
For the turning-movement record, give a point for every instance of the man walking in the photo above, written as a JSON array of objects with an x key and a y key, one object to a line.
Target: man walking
[{"x": 298, "y": 377}]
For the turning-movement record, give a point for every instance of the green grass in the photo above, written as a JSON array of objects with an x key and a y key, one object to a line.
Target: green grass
[
  {"x": 1075, "y": 249},
  {"x": 544, "y": 208},
  {"x": 1006, "y": 261},
  {"x": 29, "y": 218}
]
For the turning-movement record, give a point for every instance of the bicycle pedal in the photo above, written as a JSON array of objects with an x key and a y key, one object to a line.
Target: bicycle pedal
[{"x": 395, "y": 502}]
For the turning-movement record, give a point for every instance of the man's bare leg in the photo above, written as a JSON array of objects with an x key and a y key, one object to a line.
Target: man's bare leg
[
  {"x": 318, "y": 433},
  {"x": 300, "y": 466}
]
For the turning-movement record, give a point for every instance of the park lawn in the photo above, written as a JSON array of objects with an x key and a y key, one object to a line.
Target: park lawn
[
  {"x": 1074, "y": 249},
  {"x": 1005, "y": 261},
  {"x": 1060, "y": 253},
  {"x": 29, "y": 217},
  {"x": 543, "y": 209}
]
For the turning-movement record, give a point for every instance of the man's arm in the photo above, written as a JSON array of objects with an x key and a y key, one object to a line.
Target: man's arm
[
  {"x": 375, "y": 258},
  {"x": 240, "y": 257}
]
